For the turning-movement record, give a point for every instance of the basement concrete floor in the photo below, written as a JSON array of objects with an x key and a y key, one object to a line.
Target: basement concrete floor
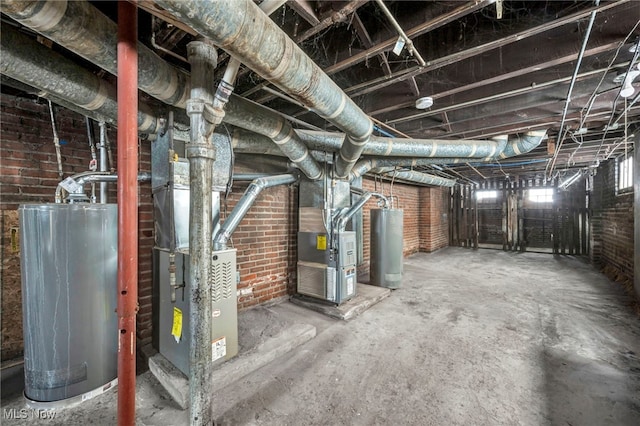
[{"x": 473, "y": 338}]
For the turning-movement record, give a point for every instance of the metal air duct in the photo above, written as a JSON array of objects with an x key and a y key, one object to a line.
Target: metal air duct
[
  {"x": 31, "y": 63},
  {"x": 83, "y": 29},
  {"x": 65, "y": 23},
  {"x": 247, "y": 33},
  {"x": 245, "y": 203}
]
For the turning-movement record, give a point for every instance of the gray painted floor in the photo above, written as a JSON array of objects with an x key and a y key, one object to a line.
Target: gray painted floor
[{"x": 473, "y": 338}]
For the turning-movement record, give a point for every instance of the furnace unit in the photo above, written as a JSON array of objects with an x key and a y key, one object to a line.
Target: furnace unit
[
  {"x": 171, "y": 195},
  {"x": 327, "y": 255}
]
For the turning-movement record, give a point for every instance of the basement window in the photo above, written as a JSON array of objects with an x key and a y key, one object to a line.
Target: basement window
[
  {"x": 625, "y": 174},
  {"x": 541, "y": 195},
  {"x": 486, "y": 195}
]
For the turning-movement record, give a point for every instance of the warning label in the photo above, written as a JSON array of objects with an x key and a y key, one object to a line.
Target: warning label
[
  {"x": 350, "y": 281},
  {"x": 218, "y": 348}
]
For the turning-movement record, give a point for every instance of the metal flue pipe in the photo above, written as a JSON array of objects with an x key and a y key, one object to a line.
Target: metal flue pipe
[
  {"x": 201, "y": 154},
  {"x": 104, "y": 160},
  {"x": 127, "y": 209},
  {"x": 341, "y": 220},
  {"x": 247, "y": 33},
  {"x": 31, "y": 63},
  {"x": 245, "y": 203},
  {"x": 98, "y": 176}
]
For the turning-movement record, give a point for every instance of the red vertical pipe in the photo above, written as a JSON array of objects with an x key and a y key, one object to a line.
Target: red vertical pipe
[{"x": 127, "y": 209}]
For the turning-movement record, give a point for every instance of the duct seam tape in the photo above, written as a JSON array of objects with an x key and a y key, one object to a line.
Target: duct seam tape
[
  {"x": 286, "y": 139},
  {"x": 389, "y": 147},
  {"x": 48, "y": 17},
  {"x": 277, "y": 130},
  {"x": 169, "y": 89},
  {"x": 285, "y": 61},
  {"x": 473, "y": 150},
  {"x": 337, "y": 112},
  {"x": 98, "y": 100},
  {"x": 305, "y": 155}
]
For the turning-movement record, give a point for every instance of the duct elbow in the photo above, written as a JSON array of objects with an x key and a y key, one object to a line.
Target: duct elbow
[{"x": 524, "y": 144}]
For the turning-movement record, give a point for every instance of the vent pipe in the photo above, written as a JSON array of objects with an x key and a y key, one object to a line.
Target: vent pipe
[
  {"x": 247, "y": 33},
  {"x": 201, "y": 154},
  {"x": 245, "y": 203},
  {"x": 87, "y": 177},
  {"x": 341, "y": 220}
]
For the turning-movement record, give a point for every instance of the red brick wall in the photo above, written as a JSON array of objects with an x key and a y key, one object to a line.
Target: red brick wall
[
  {"x": 266, "y": 241},
  {"x": 426, "y": 224},
  {"x": 611, "y": 226},
  {"x": 29, "y": 175},
  {"x": 266, "y": 238},
  {"x": 434, "y": 219}
]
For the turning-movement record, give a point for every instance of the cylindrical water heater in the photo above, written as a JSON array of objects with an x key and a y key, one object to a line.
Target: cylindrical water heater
[
  {"x": 69, "y": 285},
  {"x": 386, "y": 248}
]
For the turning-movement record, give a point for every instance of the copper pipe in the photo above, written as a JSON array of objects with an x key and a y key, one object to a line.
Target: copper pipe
[{"x": 127, "y": 209}]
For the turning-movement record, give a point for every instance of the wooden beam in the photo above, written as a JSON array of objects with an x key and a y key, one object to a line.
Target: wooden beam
[
  {"x": 423, "y": 28},
  {"x": 337, "y": 16},
  {"x": 153, "y": 9},
  {"x": 365, "y": 38},
  {"x": 305, "y": 10}
]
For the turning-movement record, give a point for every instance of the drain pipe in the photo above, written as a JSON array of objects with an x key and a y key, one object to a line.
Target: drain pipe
[
  {"x": 245, "y": 203},
  {"x": 236, "y": 26},
  {"x": 127, "y": 209},
  {"x": 201, "y": 154}
]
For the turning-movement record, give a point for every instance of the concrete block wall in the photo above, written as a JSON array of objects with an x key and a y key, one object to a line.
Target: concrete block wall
[
  {"x": 612, "y": 245},
  {"x": 30, "y": 175}
]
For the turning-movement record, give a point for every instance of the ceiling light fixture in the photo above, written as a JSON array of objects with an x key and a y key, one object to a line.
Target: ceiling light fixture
[{"x": 424, "y": 103}]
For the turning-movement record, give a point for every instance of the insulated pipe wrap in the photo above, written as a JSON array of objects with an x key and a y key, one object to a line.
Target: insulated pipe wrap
[
  {"x": 83, "y": 29},
  {"x": 31, "y": 63},
  {"x": 241, "y": 28},
  {"x": 244, "y": 113},
  {"x": 521, "y": 145},
  {"x": 424, "y": 178}
]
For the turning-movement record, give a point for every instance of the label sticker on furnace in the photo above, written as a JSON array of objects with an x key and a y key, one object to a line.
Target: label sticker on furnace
[
  {"x": 321, "y": 242},
  {"x": 349, "y": 285},
  {"x": 218, "y": 348},
  {"x": 176, "y": 329}
]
